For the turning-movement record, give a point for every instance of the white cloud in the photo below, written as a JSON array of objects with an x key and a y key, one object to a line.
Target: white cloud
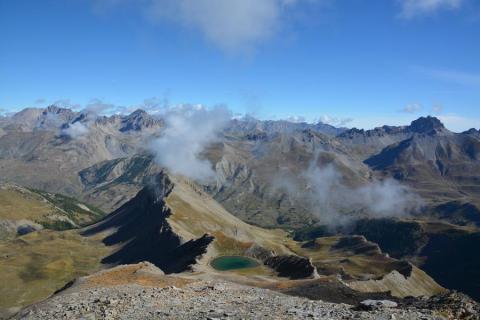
[
  {"x": 335, "y": 121},
  {"x": 328, "y": 196},
  {"x": 97, "y": 107},
  {"x": 233, "y": 25},
  {"x": 380, "y": 198},
  {"x": 295, "y": 119},
  {"x": 153, "y": 105},
  {"x": 412, "y": 108},
  {"x": 75, "y": 130},
  {"x": 66, "y": 103},
  {"x": 415, "y": 8},
  {"x": 189, "y": 129}
]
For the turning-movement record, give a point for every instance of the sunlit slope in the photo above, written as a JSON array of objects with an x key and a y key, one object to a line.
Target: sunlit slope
[
  {"x": 24, "y": 210},
  {"x": 37, "y": 264},
  {"x": 361, "y": 264},
  {"x": 195, "y": 213}
]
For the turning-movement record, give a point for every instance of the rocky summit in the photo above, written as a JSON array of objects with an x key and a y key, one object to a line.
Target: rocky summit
[{"x": 144, "y": 292}]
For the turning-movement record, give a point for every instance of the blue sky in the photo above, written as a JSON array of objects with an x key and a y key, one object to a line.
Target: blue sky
[{"x": 361, "y": 63}]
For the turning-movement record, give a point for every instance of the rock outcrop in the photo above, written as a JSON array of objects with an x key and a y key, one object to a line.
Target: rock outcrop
[
  {"x": 141, "y": 229},
  {"x": 127, "y": 292},
  {"x": 291, "y": 266}
]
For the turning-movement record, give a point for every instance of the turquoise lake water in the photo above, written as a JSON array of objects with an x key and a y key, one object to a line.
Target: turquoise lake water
[{"x": 233, "y": 263}]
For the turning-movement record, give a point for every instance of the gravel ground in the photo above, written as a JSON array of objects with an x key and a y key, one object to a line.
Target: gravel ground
[{"x": 198, "y": 300}]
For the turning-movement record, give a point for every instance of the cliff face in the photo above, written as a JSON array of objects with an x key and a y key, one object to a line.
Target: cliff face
[
  {"x": 142, "y": 230},
  {"x": 441, "y": 249},
  {"x": 293, "y": 267},
  {"x": 175, "y": 225}
]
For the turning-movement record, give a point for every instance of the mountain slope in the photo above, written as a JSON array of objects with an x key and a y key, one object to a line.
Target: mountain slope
[
  {"x": 171, "y": 224},
  {"x": 445, "y": 251},
  {"x": 369, "y": 142},
  {"x": 36, "y": 142},
  {"x": 175, "y": 225},
  {"x": 144, "y": 234},
  {"x": 261, "y": 166},
  {"x": 180, "y": 228},
  {"x": 264, "y": 181},
  {"x": 23, "y": 210},
  {"x": 439, "y": 165}
]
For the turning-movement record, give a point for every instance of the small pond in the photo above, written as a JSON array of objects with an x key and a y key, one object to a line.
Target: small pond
[{"x": 233, "y": 263}]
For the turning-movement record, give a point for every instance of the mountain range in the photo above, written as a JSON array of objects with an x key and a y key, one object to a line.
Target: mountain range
[{"x": 388, "y": 212}]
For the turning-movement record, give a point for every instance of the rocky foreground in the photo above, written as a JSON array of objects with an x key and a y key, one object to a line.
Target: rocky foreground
[
  {"x": 199, "y": 300},
  {"x": 143, "y": 292}
]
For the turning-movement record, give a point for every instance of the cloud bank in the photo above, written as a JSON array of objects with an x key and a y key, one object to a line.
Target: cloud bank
[
  {"x": 189, "y": 130},
  {"x": 335, "y": 203}
]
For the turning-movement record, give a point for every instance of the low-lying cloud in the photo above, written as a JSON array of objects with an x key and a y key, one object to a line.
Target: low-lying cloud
[
  {"x": 324, "y": 192},
  {"x": 189, "y": 130},
  {"x": 97, "y": 107},
  {"x": 66, "y": 103},
  {"x": 75, "y": 130},
  {"x": 335, "y": 121},
  {"x": 81, "y": 126}
]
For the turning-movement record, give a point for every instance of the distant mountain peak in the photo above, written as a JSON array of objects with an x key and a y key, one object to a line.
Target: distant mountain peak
[
  {"x": 472, "y": 131},
  {"x": 57, "y": 110},
  {"x": 428, "y": 125},
  {"x": 138, "y": 120},
  {"x": 138, "y": 113},
  {"x": 252, "y": 126}
]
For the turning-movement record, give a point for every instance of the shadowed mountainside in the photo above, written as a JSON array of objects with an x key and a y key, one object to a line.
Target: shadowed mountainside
[
  {"x": 24, "y": 210},
  {"x": 141, "y": 226},
  {"x": 445, "y": 251}
]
